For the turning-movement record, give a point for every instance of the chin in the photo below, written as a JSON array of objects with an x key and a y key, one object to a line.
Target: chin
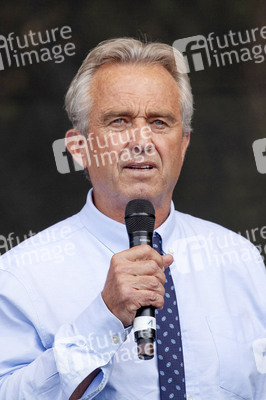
[{"x": 141, "y": 194}]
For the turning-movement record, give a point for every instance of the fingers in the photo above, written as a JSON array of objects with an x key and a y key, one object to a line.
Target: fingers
[
  {"x": 144, "y": 268},
  {"x": 142, "y": 253},
  {"x": 135, "y": 278},
  {"x": 167, "y": 260},
  {"x": 152, "y": 283},
  {"x": 149, "y": 298}
]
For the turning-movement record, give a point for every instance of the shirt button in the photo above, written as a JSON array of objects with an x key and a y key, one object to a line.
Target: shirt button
[
  {"x": 115, "y": 339},
  {"x": 100, "y": 386},
  {"x": 190, "y": 398},
  {"x": 82, "y": 343},
  {"x": 171, "y": 251}
]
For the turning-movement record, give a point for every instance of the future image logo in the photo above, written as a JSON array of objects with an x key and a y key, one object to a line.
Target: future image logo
[
  {"x": 4, "y": 46},
  {"x": 99, "y": 151},
  {"x": 259, "y": 150},
  {"x": 64, "y": 161},
  {"x": 195, "y": 52},
  {"x": 36, "y": 47},
  {"x": 201, "y": 52}
]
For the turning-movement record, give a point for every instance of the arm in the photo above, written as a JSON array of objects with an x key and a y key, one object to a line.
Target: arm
[
  {"x": 29, "y": 370},
  {"x": 135, "y": 278},
  {"x": 26, "y": 366},
  {"x": 80, "y": 362}
]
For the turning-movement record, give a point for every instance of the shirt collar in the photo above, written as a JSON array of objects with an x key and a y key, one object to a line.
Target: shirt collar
[{"x": 113, "y": 234}]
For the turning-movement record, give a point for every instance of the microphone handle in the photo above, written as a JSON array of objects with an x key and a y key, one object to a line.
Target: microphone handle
[{"x": 144, "y": 324}]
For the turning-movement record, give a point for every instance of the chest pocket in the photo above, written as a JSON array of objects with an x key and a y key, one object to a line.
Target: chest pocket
[{"x": 233, "y": 337}]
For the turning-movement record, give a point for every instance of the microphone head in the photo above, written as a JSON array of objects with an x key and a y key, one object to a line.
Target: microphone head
[{"x": 139, "y": 216}]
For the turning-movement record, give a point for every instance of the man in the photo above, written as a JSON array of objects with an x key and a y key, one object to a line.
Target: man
[{"x": 70, "y": 294}]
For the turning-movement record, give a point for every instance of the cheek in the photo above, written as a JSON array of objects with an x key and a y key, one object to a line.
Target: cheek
[
  {"x": 173, "y": 159},
  {"x": 110, "y": 143},
  {"x": 105, "y": 155},
  {"x": 170, "y": 152}
]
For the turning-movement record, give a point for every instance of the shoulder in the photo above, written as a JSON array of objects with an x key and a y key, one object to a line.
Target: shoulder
[
  {"x": 206, "y": 246},
  {"x": 214, "y": 236},
  {"x": 196, "y": 223},
  {"x": 49, "y": 245}
]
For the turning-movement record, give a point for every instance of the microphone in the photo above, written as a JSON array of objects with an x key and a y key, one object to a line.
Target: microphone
[{"x": 140, "y": 220}]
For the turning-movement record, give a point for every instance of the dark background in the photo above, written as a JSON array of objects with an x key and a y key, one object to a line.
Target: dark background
[{"x": 219, "y": 181}]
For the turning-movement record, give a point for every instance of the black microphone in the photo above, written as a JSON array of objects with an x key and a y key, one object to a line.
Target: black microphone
[{"x": 140, "y": 220}]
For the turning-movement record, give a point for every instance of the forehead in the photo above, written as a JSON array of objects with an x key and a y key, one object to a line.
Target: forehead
[{"x": 134, "y": 84}]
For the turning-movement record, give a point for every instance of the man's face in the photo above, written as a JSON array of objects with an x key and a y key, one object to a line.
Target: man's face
[{"x": 135, "y": 135}]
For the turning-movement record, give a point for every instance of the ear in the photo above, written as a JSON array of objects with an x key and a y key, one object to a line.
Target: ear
[
  {"x": 76, "y": 144},
  {"x": 185, "y": 144}
]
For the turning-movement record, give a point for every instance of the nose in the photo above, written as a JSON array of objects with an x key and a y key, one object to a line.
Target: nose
[{"x": 140, "y": 135}]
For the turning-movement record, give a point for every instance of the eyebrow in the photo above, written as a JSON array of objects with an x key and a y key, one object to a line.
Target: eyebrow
[
  {"x": 114, "y": 114},
  {"x": 168, "y": 116},
  {"x": 127, "y": 113}
]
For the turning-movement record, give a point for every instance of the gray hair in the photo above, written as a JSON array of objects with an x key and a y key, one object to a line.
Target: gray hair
[{"x": 125, "y": 51}]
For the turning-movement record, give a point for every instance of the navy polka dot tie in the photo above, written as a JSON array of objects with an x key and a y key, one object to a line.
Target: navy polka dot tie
[{"x": 168, "y": 339}]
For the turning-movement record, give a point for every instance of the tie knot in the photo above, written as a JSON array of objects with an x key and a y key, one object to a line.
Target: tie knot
[{"x": 157, "y": 242}]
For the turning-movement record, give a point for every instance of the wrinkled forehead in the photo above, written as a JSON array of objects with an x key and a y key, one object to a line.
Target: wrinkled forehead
[
  {"x": 114, "y": 71},
  {"x": 134, "y": 84}
]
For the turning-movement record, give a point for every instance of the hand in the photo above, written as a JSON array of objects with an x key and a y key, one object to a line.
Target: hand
[{"x": 135, "y": 279}]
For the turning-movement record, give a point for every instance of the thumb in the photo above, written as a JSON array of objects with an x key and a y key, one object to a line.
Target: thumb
[{"x": 167, "y": 260}]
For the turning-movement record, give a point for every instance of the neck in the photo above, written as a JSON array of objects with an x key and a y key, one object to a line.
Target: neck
[{"x": 118, "y": 213}]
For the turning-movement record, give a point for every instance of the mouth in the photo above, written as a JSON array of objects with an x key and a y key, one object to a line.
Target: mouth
[{"x": 140, "y": 166}]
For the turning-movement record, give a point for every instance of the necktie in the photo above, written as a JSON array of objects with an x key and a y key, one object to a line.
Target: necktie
[{"x": 168, "y": 338}]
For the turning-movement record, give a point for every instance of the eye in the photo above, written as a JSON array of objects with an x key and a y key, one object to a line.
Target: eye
[
  {"x": 118, "y": 121},
  {"x": 119, "y": 124},
  {"x": 158, "y": 122}
]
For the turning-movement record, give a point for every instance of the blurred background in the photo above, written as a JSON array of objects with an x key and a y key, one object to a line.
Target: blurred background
[{"x": 219, "y": 181}]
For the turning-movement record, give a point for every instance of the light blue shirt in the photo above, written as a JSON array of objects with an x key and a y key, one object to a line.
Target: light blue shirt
[{"x": 56, "y": 329}]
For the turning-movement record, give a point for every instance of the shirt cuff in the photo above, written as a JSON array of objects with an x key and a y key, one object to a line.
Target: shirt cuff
[{"x": 87, "y": 344}]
